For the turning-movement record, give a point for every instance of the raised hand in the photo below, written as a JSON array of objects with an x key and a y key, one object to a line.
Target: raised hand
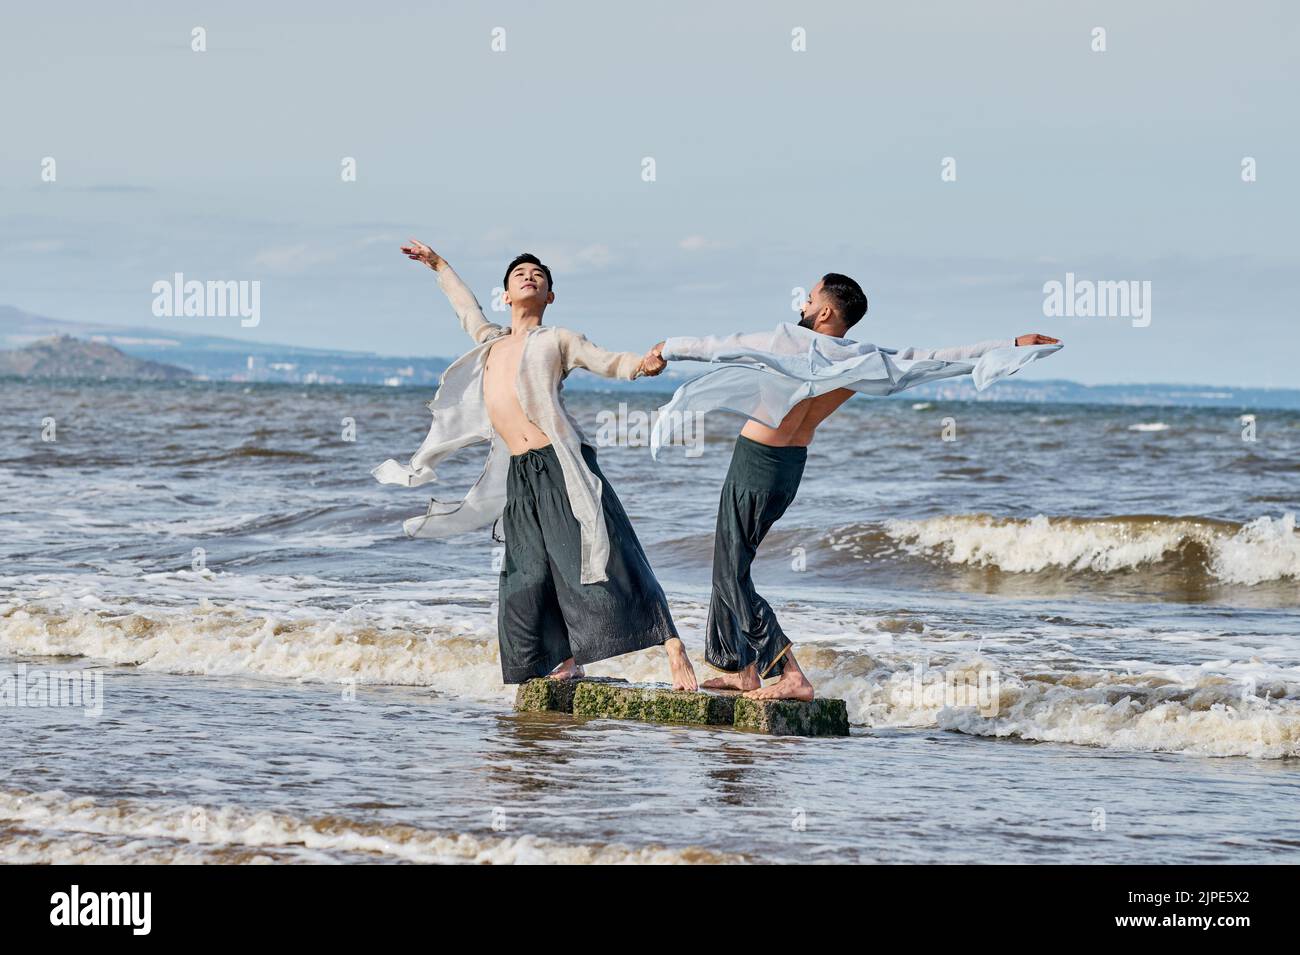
[
  {"x": 417, "y": 251},
  {"x": 1036, "y": 339}
]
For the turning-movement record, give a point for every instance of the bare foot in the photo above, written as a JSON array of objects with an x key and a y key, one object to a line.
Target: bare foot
[
  {"x": 746, "y": 679},
  {"x": 793, "y": 685},
  {"x": 568, "y": 670},
  {"x": 680, "y": 665}
]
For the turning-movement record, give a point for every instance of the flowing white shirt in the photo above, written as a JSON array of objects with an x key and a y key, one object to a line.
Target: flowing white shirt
[
  {"x": 765, "y": 374},
  {"x": 460, "y": 419}
]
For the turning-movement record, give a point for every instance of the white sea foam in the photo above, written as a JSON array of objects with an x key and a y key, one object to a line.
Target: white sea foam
[
  {"x": 453, "y": 649},
  {"x": 1265, "y": 549},
  {"x": 1149, "y": 426},
  {"x": 1213, "y": 715},
  {"x": 1242, "y": 702},
  {"x": 55, "y": 827}
]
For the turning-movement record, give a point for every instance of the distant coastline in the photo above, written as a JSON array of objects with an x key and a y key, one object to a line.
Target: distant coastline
[{"x": 214, "y": 358}]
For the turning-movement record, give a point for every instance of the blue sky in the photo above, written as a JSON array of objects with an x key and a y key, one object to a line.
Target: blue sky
[{"x": 773, "y": 166}]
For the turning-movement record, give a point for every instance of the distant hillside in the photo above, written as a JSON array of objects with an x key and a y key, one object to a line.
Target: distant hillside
[
  {"x": 63, "y": 356},
  {"x": 231, "y": 359}
]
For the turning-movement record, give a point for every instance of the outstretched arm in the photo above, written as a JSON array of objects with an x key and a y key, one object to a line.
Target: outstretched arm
[
  {"x": 458, "y": 293},
  {"x": 757, "y": 347},
  {"x": 715, "y": 347},
  {"x": 579, "y": 352},
  {"x": 967, "y": 352}
]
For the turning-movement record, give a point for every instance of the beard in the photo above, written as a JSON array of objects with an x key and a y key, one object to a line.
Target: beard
[{"x": 805, "y": 322}]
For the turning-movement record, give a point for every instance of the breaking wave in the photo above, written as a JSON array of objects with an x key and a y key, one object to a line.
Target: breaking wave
[
  {"x": 55, "y": 827},
  {"x": 1222, "y": 708},
  {"x": 1264, "y": 549}
]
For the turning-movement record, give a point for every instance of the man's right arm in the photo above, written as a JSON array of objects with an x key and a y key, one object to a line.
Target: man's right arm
[
  {"x": 715, "y": 347},
  {"x": 458, "y": 293},
  {"x": 466, "y": 306}
]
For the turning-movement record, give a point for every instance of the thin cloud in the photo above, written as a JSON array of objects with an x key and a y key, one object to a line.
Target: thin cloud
[
  {"x": 37, "y": 246},
  {"x": 699, "y": 243},
  {"x": 114, "y": 187},
  {"x": 293, "y": 259}
]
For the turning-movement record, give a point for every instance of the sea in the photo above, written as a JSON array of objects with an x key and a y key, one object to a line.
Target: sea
[{"x": 1064, "y": 633}]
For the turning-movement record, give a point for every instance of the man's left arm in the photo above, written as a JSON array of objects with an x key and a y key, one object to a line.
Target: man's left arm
[
  {"x": 969, "y": 352},
  {"x": 580, "y": 352}
]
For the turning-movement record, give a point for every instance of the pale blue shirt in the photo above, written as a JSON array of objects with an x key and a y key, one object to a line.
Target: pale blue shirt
[{"x": 765, "y": 374}]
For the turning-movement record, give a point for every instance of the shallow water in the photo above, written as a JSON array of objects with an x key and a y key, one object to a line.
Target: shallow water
[
  {"x": 1066, "y": 609},
  {"x": 213, "y": 769}
]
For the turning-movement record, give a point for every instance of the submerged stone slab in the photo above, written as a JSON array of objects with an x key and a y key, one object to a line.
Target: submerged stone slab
[
  {"x": 653, "y": 703},
  {"x": 595, "y": 697},
  {"x": 554, "y": 696},
  {"x": 820, "y": 717}
]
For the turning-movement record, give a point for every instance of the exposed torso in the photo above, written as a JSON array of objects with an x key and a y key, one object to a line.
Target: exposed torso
[
  {"x": 800, "y": 424},
  {"x": 500, "y": 372}
]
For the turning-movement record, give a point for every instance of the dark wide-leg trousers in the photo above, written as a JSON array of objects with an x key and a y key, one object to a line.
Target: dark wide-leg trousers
[
  {"x": 742, "y": 628},
  {"x": 546, "y": 614}
]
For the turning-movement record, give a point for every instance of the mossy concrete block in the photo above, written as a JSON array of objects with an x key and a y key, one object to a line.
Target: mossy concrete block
[
  {"x": 653, "y": 703},
  {"x": 820, "y": 717},
  {"x": 544, "y": 695},
  {"x": 594, "y": 697}
]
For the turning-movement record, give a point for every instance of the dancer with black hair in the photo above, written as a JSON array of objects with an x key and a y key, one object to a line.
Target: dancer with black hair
[
  {"x": 575, "y": 586},
  {"x": 787, "y": 382}
]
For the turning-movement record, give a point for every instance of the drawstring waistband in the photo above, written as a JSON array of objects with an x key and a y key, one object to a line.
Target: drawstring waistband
[{"x": 534, "y": 457}]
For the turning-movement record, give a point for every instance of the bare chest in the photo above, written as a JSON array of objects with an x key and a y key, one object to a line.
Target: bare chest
[{"x": 502, "y": 366}]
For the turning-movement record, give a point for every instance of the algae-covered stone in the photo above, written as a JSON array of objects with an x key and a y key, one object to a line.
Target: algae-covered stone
[
  {"x": 820, "y": 717},
  {"x": 593, "y": 697},
  {"x": 544, "y": 695},
  {"x": 653, "y": 703}
]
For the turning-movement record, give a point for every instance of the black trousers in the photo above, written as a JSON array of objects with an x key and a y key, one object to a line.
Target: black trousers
[
  {"x": 742, "y": 628},
  {"x": 546, "y": 614}
]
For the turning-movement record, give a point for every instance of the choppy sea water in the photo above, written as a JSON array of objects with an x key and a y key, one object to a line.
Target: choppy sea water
[{"x": 1070, "y": 634}]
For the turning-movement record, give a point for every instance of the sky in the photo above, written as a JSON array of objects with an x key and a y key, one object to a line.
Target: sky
[{"x": 772, "y": 166}]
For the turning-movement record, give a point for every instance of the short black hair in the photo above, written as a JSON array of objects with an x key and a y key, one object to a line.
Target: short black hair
[
  {"x": 847, "y": 295},
  {"x": 530, "y": 259}
]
